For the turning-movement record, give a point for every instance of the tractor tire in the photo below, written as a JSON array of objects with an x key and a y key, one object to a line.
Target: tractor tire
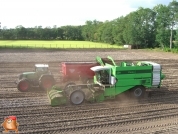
[
  {"x": 138, "y": 92},
  {"x": 46, "y": 82},
  {"x": 23, "y": 85},
  {"x": 77, "y": 97}
]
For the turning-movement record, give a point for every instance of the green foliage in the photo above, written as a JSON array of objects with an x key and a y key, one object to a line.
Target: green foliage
[
  {"x": 117, "y": 30},
  {"x": 145, "y": 27},
  {"x": 162, "y": 25},
  {"x": 173, "y": 50},
  {"x": 39, "y": 33},
  {"x": 140, "y": 28},
  {"x": 166, "y": 49},
  {"x": 176, "y": 39}
]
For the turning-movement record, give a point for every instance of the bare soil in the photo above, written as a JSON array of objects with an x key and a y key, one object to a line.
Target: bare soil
[{"x": 157, "y": 113}]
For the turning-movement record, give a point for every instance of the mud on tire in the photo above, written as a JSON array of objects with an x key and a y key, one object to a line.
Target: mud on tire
[
  {"x": 138, "y": 92},
  {"x": 23, "y": 85},
  {"x": 77, "y": 97},
  {"x": 46, "y": 82}
]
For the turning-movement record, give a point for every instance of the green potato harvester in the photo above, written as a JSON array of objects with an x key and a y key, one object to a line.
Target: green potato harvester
[{"x": 109, "y": 81}]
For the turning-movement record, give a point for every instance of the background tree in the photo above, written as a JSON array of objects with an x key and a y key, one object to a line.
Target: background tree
[
  {"x": 173, "y": 7},
  {"x": 118, "y": 30},
  {"x": 145, "y": 27},
  {"x": 162, "y": 25}
]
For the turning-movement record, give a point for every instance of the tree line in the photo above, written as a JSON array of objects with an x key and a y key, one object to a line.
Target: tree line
[{"x": 145, "y": 27}]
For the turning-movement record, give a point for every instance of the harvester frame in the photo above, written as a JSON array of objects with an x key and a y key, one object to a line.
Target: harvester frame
[{"x": 109, "y": 81}]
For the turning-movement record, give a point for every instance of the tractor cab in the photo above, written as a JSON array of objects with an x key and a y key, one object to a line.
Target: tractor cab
[{"x": 41, "y": 68}]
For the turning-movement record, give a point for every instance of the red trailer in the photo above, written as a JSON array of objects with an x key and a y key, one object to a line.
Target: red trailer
[{"x": 76, "y": 71}]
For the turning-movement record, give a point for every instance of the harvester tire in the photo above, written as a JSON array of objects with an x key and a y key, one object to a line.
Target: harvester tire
[
  {"x": 23, "y": 85},
  {"x": 77, "y": 97},
  {"x": 46, "y": 82},
  {"x": 138, "y": 92}
]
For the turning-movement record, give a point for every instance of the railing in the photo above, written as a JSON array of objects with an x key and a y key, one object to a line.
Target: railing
[{"x": 59, "y": 46}]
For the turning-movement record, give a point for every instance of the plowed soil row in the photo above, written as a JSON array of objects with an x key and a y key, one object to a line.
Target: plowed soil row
[{"x": 156, "y": 113}]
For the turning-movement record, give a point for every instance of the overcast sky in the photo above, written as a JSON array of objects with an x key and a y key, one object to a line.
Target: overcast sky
[{"x": 31, "y": 13}]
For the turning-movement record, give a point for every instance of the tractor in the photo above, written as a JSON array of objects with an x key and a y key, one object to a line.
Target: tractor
[
  {"x": 109, "y": 81},
  {"x": 41, "y": 77}
]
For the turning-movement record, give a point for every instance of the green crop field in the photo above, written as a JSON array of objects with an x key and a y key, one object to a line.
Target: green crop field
[{"x": 53, "y": 44}]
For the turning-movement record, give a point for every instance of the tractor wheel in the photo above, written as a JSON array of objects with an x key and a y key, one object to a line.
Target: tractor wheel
[
  {"x": 77, "y": 97},
  {"x": 23, "y": 85},
  {"x": 46, "y": 82},
  {"x": 138, "y": 92}
]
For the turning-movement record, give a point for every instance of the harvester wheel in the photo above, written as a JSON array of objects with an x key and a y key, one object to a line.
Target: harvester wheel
[
  {"x": 46, "y": 82},
  {"x": 23, "y": 85},
  {"x": 77, "y": 97},
  {"x": 138, "y": 92}
]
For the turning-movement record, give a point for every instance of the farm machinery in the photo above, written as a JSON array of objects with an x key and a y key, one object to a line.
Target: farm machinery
[
  {"x": 110, "y": 80},
  {"x": 41, "y": 77},
  {"x": 72, "y": 72}
]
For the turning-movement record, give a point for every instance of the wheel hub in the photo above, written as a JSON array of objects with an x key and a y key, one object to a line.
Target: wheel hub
[
  {"x": 138, "y": 92},
  {"x": 77, "y": 97}
]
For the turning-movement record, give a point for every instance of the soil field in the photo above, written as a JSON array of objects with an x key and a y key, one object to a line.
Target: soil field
[{"x": 155, "y": 114}]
